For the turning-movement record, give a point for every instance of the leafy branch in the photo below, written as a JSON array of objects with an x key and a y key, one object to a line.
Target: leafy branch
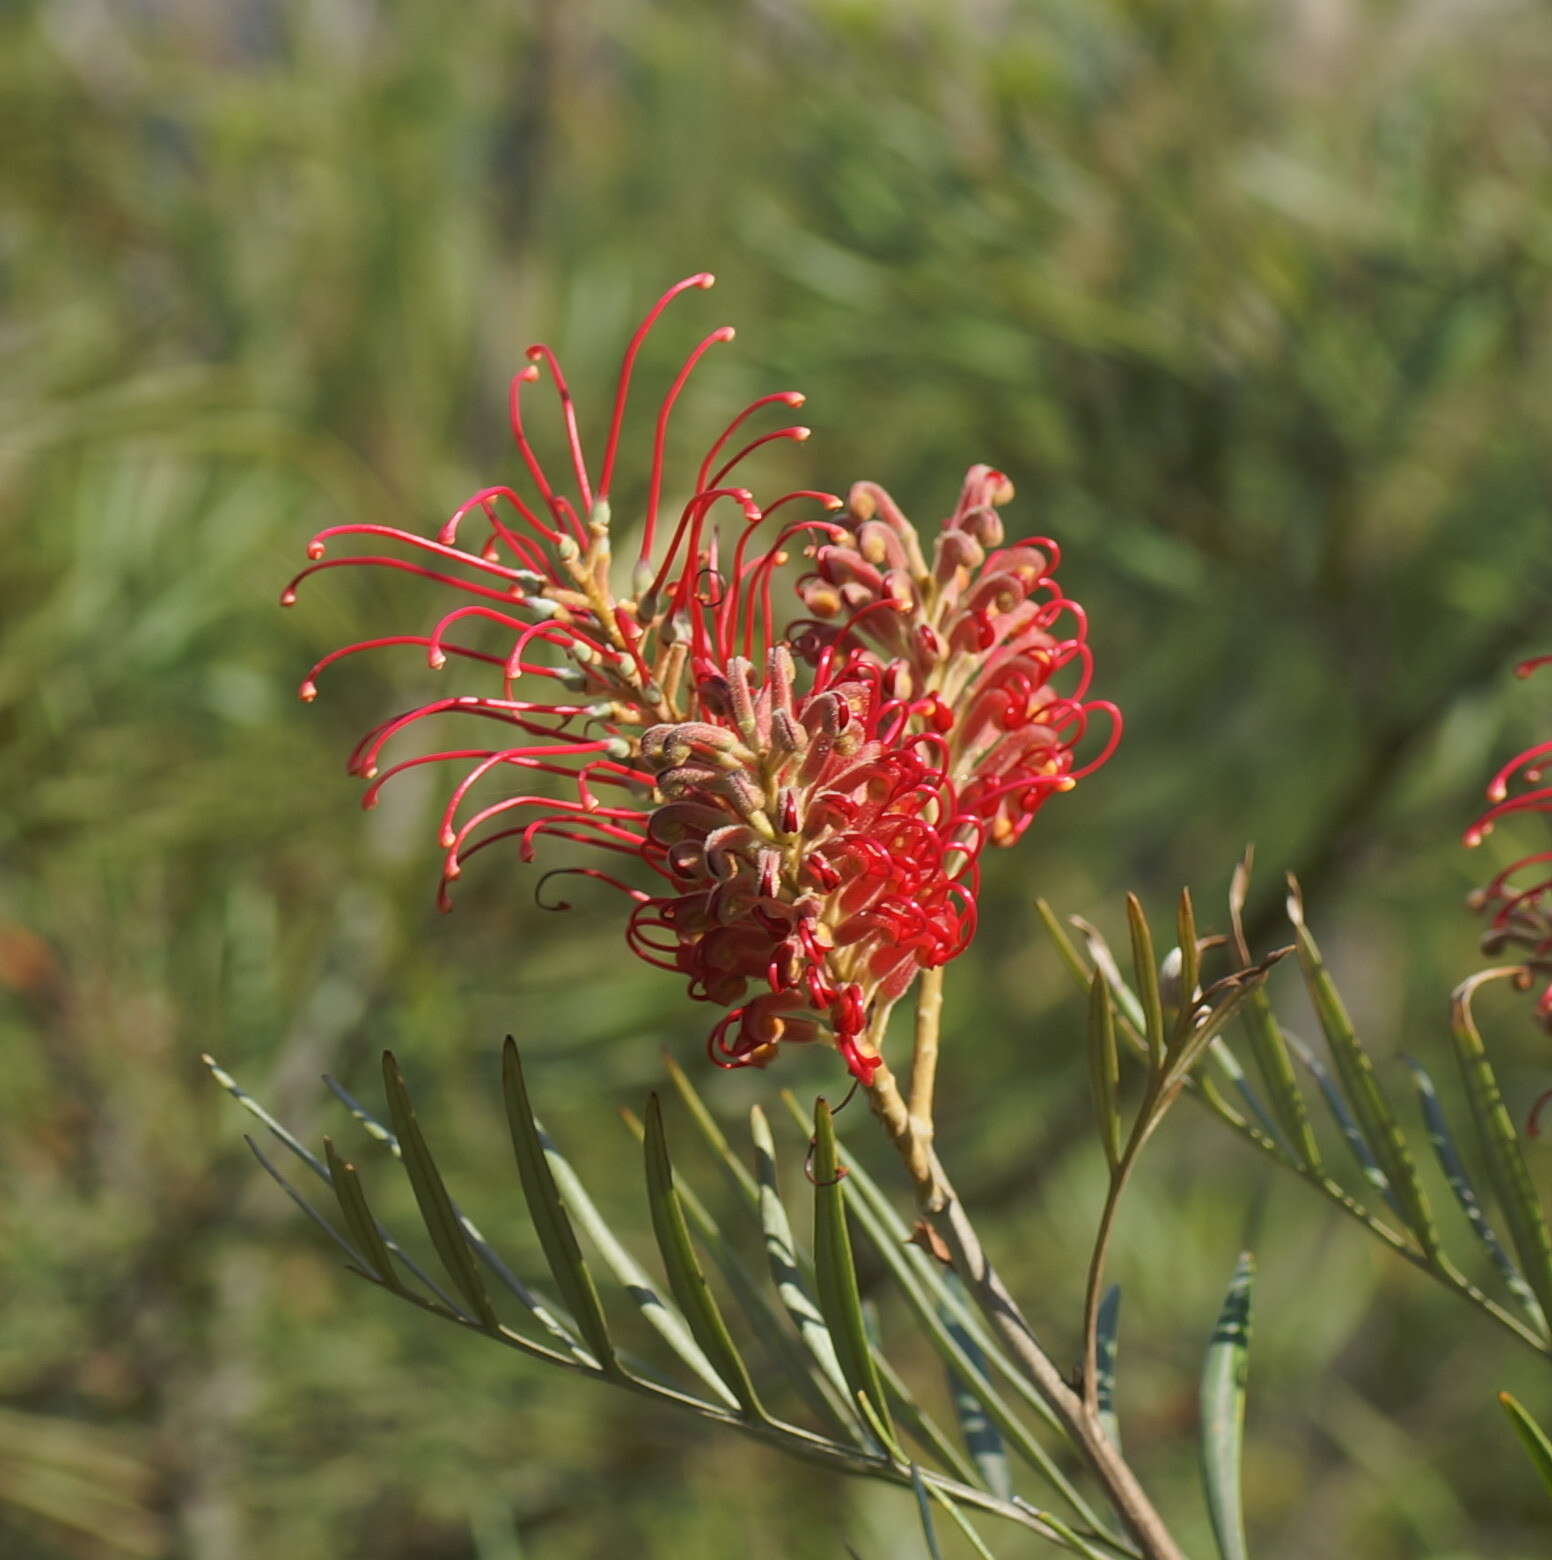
[
  {"x": 1277, "y": 1119},
  {"x": 868, "y": 1421}
]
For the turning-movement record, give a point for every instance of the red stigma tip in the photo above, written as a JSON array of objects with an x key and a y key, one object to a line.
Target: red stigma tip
[
  {"x": 307, "y": 692},
  {"x": 288, "y": 597},
  {"x": 316, "y": 549},
  {"x": 703, "y": 280}
]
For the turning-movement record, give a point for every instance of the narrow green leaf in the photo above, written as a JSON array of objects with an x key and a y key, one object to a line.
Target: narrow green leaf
[
  {"x": 1275, "y": 1065},
  {"x": 317, "y": 1166},
  {"x": 1068, "y": 1539},
  {"x": 536, "y": 1306},
  {"x": 256, "y": 1110},
  {"x": 1058, "y": 935},
  {"x": 1128, "y": 1009},
  {"x": 1266, "y": 1038},
  {"x": 1522, "y": 1208},
  {"x": 436, "y": 1207},
  {"x": 1532, "y": 1437},
  {"x": 781, "y": 1255},
  {"x": 358, "y": 1217},
  {"x": 926, "y": 1290},
  {"x": 888, "y": 1233},
  {"x": 839, "y": 1300},
  {"x": 1367, "y": 1164},
  {"x": 628, "y": 1272},
  {"x": 301, "y": 1202},
  {"x": 686, "y": 1277},
  {"x": 961, "y": 1521},
  {"x": 1375, "y": 1117},
  {"x": 786, "y": 1355},
  {"x": 1223, "y": 1413},
  {"x": 1107, "y": 1340},
  {"x": 924, "y": 1512},
  {"x": 819, "y": 1373},
  {"x": 1190, "y": 975},
  {"x": 551, "y": 1223},
  {"x": 921, "y": 1426},
  {"x": 1146, "y": 968},
  {"x": 1455, "y": 1172},
  {"x": 1228, "y": 1064},
  {"x": 706, "y": 1124},
  {"x": 1104, "y": 1069}
]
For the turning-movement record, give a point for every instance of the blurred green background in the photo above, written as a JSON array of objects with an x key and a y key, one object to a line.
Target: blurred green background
[{"x": 1253, "y": 300}]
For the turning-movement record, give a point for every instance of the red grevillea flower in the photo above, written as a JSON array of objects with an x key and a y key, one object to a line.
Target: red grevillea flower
[
  {"x": 805, "y": 850},
  {"x": 976, "y": 637},
  {"x": 1519, "y": 898},
  {"x": 816, "y": 851}
]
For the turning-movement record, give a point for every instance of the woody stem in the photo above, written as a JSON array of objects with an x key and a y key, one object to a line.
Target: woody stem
[{"x": 941, "y": 1208}]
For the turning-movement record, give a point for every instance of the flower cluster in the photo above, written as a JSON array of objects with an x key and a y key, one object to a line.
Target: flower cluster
[
  {"x": 1519, "y": 899},
  {"x": 797, "y": 847}
]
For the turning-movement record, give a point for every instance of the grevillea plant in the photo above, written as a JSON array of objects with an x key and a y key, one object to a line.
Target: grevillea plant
[{"x": 785, "y": 731}]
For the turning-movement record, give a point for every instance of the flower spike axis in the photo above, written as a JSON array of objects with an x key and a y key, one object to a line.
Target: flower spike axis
[{"x": 799, "y": 849}]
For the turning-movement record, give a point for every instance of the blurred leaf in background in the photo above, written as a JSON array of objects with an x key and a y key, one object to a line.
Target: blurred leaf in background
[{"x": 1253, "y": 301}]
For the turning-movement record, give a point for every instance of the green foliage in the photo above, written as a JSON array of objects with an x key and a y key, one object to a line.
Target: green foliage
[
  {"x": 1532, "y": 1437},
  {"x": 692, "y": 1324},
  {"x": 1250, "y": 300},
  {"x": 1361, "y": 1112}
]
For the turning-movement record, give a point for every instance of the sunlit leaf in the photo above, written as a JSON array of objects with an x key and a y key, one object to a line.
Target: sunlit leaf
[{"x": 1532, "y": 1437}]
